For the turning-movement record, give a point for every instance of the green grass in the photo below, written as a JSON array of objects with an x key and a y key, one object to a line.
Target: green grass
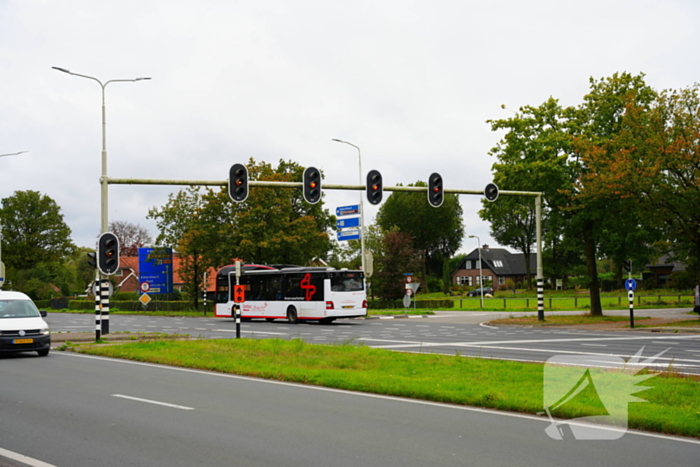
[
  {"x": 502, "y": 385},
  {"x": 568, "y": 319}
]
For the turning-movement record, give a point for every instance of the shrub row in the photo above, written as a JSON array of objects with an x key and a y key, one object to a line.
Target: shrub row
[
  {"x": 392, "y": 304},
  {"x": 131, "y": 305}
]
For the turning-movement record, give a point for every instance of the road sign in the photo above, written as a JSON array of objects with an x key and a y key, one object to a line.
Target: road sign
[
  {"x": 347, "y": 210},
  {"x": 348, "y": 235},
  {"x": 156, "y": 268},
  {"x": 630, "y": 284},
  {"x": 349, "y": 222},
  {"x": 96, "y": 288},
  {"x": 145, "y": 299},
  {"x": 145, "y": 287}
]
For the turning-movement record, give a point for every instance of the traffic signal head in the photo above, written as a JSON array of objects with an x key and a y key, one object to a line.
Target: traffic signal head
[
  {"x": 491, "y": 192},
  {"x": 312, "y": 185},
  {"x": 92, "y": 259},
  {"x": 435, "y": 190},
  {"x": 238, "y": 183},
  {"x": 108, "y": 253},
  {"x": 375, "y": 187},
  {"x": 627, "y": 265},
  {"x": 238, "y": 293}
]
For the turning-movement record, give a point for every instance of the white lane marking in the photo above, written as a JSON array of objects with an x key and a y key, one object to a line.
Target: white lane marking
[
  {"x": 149, "y": 401},
  {"x": 253, "y": 332},
  {"x": 23, "y": 459},
  {"x": 364, "y": 394},
  {"x": 596, "y": 345}
]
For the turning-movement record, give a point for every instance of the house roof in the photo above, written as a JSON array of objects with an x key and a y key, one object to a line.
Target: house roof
[{"x": 502, "y": 261}]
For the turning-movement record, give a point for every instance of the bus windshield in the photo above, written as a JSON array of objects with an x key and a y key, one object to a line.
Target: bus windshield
[{"x": 347, "y": 281}]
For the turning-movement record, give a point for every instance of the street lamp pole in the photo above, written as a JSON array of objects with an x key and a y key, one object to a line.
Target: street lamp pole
[
  {"x": 362, "y": 208},
  {"x": 481, "y": 275},
  {"x": 103, "y": 179}
]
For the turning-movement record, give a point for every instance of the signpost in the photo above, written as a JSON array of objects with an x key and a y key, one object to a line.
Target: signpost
[
  {"x": 347, "y": 210},
  {"x": 2, "y": 274},
  {"x": 348, "y": 235},
  {"x": 349, "y": 222},
  {"x": 156, "y": 269}
]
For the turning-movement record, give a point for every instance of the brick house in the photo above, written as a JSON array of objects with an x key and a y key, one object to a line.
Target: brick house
[{"x": 498, "y": 265}]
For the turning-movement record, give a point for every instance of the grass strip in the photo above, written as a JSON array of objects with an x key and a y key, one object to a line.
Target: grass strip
[{"x": 672, "y": 405}]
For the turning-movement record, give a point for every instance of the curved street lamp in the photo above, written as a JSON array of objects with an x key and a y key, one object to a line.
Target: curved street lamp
[
  {"x": 103, "y": 179},
  {"x": 362, "y": 209},
  {"x": 13, "y": 153}
]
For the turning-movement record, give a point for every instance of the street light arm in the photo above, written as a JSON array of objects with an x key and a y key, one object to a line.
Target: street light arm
[{"x": 13, "y": 153}]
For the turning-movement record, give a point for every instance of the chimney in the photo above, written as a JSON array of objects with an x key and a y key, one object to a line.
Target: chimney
[{"x": 486, "y": 247}]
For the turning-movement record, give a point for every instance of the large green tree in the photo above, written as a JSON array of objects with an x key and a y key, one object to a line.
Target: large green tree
[
  {"x": 548, "y": 148},
  {"x": 36, "y": 243},
  {"x": 436, "y": 233},
  {"x": 274, "y": 225}
]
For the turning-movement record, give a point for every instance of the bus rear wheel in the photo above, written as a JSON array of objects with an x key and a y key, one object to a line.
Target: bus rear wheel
[{"x": 292, "y": 315}]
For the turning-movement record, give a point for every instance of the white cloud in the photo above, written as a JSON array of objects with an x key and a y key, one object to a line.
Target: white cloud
[{"x": 410, "y": 82}]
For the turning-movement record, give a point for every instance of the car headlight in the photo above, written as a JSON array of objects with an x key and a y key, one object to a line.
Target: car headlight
[{"x": 44, "y": 331}]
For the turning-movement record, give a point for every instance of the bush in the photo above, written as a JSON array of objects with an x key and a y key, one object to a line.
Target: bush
[
  {"x": 132, "y": 305},
  {"x": 393, "y": 304}
]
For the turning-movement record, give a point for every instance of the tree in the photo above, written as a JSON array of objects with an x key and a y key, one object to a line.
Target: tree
[
  {"x": 396, "y": 256},
  {"x": 36, "y": 242},
  {"x": 532, "y": 156},
  {"x": 654, "y": 164},
  {"x": 131, "y": 237},
  {"x": 273, "y": 226},
  {"x": 552, "y": 147},
  {"x": 436, "y": 232}
]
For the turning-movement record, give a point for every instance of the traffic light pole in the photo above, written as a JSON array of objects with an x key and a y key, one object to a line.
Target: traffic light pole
[{"x": 327, "y": 186}]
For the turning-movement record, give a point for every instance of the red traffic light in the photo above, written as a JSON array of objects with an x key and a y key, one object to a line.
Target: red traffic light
[
  {"x": 435, "y": 195},
  {"x": 374, "y": 187},
  {"x": 312, "y": 185}
]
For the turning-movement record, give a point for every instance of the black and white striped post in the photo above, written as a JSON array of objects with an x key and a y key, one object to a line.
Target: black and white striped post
[
  {"x": 630, "y": 295},
  {"x": 104, "y": 296},
  {"x": 540, "y": 299},
  {"x": 204, "y": 293},
  {"x": 630, "y": 285},
  {"x": 96, "y": 289}
]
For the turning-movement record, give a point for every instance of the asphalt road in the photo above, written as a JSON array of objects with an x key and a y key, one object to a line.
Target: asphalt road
[
  {"x": 452, "y": 334},
  {"x": 69, "y": 410}
]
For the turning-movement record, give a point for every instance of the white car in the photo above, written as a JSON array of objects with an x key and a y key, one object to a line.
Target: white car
[{"x": 22, "y": 327}]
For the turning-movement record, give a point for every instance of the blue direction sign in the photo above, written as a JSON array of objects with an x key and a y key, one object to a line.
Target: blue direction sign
[
  {"x": 630, "y": 284},
  {"x": 349, "y": 222},
  {"x": 156, "y": 270},
  {"x": 348, "y": 235},
  {"x": 347, "y": 210}
]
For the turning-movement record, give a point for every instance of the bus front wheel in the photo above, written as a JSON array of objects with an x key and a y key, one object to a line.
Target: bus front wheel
[{"x": 292, "y": 315}]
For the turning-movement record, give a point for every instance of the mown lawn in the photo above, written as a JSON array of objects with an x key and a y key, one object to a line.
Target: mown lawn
[{"x": 672, "y": 405}]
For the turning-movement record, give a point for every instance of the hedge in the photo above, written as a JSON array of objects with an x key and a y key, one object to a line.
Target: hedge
[
  {"x": 393, "y": 304},
  {"x": 131, "y": 305}
]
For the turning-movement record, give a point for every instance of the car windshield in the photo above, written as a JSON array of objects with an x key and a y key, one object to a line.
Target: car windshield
[{"x": 18, "y": 309}]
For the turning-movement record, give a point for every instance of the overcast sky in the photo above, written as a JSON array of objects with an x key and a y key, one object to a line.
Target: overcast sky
[{"x": 411, "y": 83}]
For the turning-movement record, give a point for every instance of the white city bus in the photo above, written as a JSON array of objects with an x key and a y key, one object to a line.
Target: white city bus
[{"x": 293, "y": 293}]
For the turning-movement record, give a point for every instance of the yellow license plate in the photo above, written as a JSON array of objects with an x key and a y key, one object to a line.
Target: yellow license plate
[
  {"x": 24, "y": 341},
  {"x": 349, "y": 306}
]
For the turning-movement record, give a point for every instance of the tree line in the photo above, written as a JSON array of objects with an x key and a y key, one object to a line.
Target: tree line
[{"x": 619, "y": 173}]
